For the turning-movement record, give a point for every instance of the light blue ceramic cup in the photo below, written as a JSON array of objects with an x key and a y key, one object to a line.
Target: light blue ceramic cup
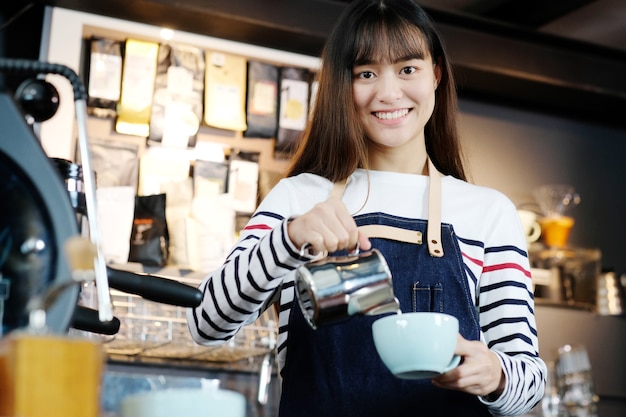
[{"x": 417, "y": 345}]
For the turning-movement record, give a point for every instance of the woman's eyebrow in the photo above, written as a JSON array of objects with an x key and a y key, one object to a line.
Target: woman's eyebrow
[
  {"x": 418, "y": 55},
  {"x": 371, "y": 61}
]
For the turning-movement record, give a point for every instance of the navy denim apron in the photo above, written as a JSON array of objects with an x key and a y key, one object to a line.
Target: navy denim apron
[{"x": 336, "y": 371}]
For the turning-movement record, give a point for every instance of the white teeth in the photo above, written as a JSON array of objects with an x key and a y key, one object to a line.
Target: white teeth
[{"x": 392, "y": 115}]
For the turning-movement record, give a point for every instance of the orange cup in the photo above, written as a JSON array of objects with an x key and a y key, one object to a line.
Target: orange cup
[{"x": 555, "y": 230}]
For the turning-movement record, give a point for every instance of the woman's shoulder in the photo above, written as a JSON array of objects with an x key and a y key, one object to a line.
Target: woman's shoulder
[
  {"x": 481, "y": 214},
  {"x": 475, "y": 209},
  {"x": 304, "y": 182},
  {"x": 475, "y": 194},
  {"x": 296, "y": 194}
]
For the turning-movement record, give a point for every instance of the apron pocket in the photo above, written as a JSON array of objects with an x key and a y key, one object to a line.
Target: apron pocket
[{"x": 428, "y": 297}]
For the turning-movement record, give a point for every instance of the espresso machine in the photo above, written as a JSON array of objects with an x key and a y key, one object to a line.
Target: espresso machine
[{"x": 39, "y": 212}]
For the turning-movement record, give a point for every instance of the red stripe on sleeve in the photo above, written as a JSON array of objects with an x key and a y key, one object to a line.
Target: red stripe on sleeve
[
  {"x": 509, "y": 265},
  {"x": 473, "y": 260},
  {"x": 257, "y": 226}
]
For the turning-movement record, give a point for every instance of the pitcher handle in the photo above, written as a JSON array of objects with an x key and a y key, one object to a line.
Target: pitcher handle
[{"x": 304, "y": 250}]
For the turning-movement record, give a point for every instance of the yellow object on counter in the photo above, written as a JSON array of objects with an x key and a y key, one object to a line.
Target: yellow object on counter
[
  {"x": 52, "y": 376},
  {"x": 555, "y": 230}
]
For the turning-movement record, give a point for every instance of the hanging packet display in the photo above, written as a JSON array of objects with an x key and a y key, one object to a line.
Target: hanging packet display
[
  {"x": 104, "y": 76},
  {"x": 243, "y": 180},
  {"x": 293, "y": 108},
  {"x": 225, "y": 91},
  {"x": 138, "y": 76},
  {"x": 115, "y": 163},
  {"x": 177, "y": 103},
  {"x": 149, "y": 240},
  {"x": 262, "y": 100},
  {"x": 209, "y": 178}
]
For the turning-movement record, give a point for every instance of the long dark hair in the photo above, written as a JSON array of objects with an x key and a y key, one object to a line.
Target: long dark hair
[{"x": 334, "y": 143}]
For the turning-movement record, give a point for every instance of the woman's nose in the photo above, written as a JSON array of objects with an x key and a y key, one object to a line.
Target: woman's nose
[{"x": 389, "y": 89}]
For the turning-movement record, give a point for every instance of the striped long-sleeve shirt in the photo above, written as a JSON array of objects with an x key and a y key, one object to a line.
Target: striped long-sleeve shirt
[{"x": 261, "y": 267}]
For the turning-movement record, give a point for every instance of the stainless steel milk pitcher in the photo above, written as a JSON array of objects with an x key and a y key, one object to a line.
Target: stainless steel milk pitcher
[{"x": 332, "y": 289}]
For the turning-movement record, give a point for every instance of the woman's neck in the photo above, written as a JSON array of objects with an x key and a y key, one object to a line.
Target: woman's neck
[{"x": 408, "y": 160}]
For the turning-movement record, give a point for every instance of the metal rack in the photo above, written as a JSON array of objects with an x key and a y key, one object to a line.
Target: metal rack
[{"x": 152, "y": 330}]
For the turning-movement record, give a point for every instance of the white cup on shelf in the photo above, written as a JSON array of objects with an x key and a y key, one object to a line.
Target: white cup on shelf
[{"x": 532, "y": 229}]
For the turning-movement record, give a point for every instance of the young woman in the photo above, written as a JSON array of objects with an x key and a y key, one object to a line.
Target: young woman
[{"x": 383, "y": 128}]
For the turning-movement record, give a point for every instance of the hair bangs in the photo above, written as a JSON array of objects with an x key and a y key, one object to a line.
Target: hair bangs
[{"x": 388, "y": 40}]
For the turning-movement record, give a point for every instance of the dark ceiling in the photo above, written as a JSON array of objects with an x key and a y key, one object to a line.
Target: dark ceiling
[
  {"x": 600, "y": 22},
  {"x": 561, "y": 56}
]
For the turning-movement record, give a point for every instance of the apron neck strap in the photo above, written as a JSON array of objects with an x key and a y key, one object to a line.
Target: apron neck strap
[
  {"x": 338, "y": 189},
  {"x": 433, "y": 231}
]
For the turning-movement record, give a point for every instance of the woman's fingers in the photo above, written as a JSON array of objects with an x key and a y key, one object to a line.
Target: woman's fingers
[
  {"x": 364, "y": 241},
  {"x": 327, "y": 227},
  {"x": 480, "y": 373}
]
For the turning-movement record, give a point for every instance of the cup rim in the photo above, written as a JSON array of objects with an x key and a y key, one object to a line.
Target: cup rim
[{"x": 396, "y": 316}]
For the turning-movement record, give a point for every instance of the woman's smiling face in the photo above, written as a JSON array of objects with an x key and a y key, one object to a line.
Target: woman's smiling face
[{"x": 395, "y": 100}]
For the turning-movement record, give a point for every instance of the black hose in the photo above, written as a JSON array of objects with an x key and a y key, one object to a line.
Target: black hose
[
  {"x": 86, "y": 319},
  {"x": 31, "y": 67}
]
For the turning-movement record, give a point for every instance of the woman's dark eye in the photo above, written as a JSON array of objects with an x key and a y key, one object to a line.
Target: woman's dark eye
[{"x": 408, "y": 70}]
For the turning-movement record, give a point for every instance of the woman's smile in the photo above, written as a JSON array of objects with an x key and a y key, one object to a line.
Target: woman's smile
[{"x": 391, "y": 115}]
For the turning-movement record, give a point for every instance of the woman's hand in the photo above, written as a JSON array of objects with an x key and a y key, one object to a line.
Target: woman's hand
[
  {"x": 479, "y": 373},
  {"x": 327, "y": 227}
]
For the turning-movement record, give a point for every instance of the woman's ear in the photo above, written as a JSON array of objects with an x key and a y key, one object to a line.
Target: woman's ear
[{"x": 437, "y": 71}]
